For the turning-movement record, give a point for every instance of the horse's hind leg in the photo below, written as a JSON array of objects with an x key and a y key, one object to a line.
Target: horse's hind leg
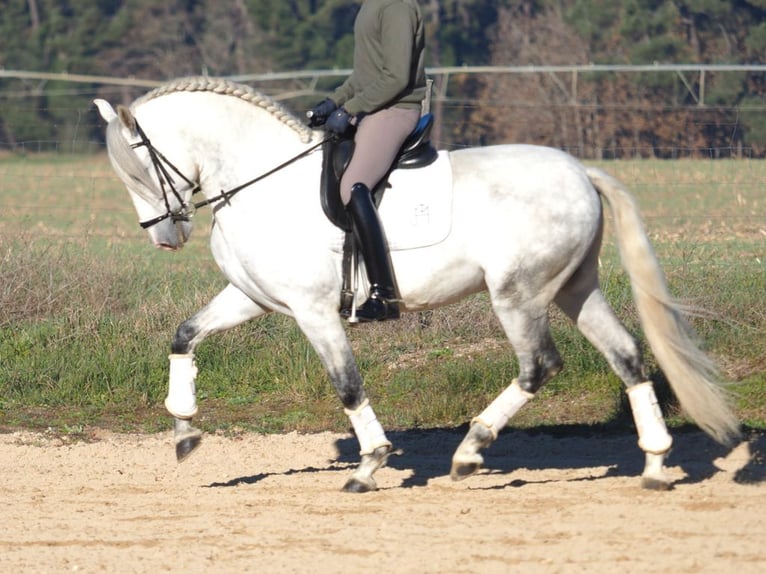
[
  {"x": 528, "y": 332},
  {"x": 584, "y": 303},
  {"x": 228, "y": 309}
]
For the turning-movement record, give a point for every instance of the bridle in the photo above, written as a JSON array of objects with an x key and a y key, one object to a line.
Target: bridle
[{"x": 187, "y": 210}]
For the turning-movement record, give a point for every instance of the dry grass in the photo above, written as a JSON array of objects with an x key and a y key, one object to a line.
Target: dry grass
[{"x": 87, "y": 310}]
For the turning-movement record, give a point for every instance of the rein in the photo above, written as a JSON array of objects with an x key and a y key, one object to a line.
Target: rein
[{"x": 186, "y": 210}]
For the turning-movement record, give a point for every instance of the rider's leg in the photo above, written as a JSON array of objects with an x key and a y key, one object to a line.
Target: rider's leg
[
  {"x": 379, "y": 136},
  {"x": 372, "y": 242}
]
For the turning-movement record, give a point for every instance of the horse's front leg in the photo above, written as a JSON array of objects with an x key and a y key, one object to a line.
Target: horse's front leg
[
  {"x": 329, "y": 339},
  {"x": 228, "y": 309},
  {"x": 375, "y": 448}
]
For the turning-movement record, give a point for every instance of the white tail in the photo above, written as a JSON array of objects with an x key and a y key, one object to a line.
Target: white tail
[{"x": 691, "y": 373}]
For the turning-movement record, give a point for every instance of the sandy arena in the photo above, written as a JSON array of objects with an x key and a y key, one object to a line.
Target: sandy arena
[{"x": 255, "y": 503}]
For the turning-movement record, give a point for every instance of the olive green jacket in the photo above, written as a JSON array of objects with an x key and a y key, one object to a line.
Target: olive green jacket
[{"x": 389, "y": 58}]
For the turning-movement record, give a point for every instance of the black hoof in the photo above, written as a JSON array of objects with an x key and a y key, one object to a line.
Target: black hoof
[
  {"x": 186, "y": 446},
  {"x": 655, "y": 484},
  {"x": 356, "y": 485},
  {"x": 463, "y": 471}
]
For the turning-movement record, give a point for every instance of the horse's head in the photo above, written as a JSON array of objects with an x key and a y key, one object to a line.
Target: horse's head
[{"x": 163, "y": 207}]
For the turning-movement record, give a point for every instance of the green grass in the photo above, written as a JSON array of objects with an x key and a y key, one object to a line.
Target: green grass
[{"x": 88, "y": 309}]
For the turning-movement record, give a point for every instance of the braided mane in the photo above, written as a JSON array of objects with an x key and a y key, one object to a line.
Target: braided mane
[{"x": 228, "y": 88}]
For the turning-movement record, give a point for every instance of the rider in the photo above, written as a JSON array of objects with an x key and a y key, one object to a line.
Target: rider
[{"x": 382, "y": 99}]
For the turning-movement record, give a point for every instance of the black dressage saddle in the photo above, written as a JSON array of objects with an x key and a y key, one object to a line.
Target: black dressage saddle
[{"x": 416, "y": 151}]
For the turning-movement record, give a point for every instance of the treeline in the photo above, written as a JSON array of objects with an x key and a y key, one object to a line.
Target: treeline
[{"x": 603, "y": 115}]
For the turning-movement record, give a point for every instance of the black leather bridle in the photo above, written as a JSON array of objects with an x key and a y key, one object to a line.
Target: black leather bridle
[{"x": 186, "y": 210}]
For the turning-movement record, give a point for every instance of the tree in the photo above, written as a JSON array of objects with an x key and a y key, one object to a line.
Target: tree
[
  {"x": 615, "y": 115},
  {"x": 649, "y": 113},
  {"x": 529, "y": 33}
]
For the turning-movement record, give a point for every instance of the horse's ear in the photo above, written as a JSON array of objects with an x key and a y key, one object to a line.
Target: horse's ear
[
  {"x": 127, "y": 118},
  {"x": 105, "y": 109}
]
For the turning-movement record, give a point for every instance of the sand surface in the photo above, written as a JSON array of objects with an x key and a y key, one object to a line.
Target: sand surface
[{"x": 272, "y": 503}]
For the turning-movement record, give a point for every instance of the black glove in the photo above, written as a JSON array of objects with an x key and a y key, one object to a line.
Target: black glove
[
  {"x": 319, "y": 114},
  {"x": 338, "y": 121}
]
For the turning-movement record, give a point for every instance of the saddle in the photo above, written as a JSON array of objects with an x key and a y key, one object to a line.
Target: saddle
[{"x": 416, "y": 151}]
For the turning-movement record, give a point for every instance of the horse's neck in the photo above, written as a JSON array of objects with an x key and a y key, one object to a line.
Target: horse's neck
[{"x": 227, "y": 141}]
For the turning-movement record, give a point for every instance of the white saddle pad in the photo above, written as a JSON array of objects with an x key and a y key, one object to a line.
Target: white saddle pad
[{"x": 416, "y": 211}]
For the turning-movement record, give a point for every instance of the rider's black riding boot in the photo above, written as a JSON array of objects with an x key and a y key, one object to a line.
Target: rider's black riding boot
[{"x": 382, "y": 303}]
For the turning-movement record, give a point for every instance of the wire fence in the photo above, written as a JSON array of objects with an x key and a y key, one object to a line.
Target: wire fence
[{"x": 557, "y": 107}]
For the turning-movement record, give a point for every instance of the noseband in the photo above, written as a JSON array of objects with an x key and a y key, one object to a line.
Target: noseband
[
  {"x": 161, "y": 164},
  {"x": 187, "y": 210}
]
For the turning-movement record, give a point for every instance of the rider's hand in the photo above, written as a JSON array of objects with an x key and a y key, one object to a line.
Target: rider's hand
[
  {"x": 318, "y": 114},
  {"x": 338, "y": 121}
]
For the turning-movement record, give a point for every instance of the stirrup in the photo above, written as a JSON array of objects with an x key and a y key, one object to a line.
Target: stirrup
[{"x": 381, "y": 306}]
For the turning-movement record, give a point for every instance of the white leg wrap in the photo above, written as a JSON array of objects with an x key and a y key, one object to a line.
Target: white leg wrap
[
  {"x": 653, "y": 436},
  {"x": 507, "y": 404},
  {"x": 181, "y": 401},
  {"x": 369, "y": 431}
]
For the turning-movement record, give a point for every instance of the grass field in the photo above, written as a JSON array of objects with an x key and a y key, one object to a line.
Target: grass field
[{"x": 88, "y": 308}]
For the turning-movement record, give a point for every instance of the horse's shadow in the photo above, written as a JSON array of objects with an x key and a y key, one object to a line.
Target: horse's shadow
[
  {"x": 754, "y": 470},
  {"x": 426, "y": 454},
  {"x": 256, "y": 478}
]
